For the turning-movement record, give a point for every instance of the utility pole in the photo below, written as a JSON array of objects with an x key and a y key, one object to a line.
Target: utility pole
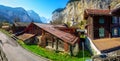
[{"x": 83, "y": 50}]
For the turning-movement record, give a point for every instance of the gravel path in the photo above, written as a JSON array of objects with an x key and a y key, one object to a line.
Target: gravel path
[{"x": 14, "y": 52}]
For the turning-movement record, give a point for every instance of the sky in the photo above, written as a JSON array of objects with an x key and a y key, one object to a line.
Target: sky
[{"x": 42, "y": 7}]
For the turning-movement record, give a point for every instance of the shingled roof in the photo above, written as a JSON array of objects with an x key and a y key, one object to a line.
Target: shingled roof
[
  {"x": 108, "y": 44},
  {"x": 66, "y": 37},
  {"x": 25, "y": 36},
  {"x": 21, "y": 24}
]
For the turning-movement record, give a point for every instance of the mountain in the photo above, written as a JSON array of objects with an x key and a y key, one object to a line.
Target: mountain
[
  {"x": 44, "y": 20},
  {"x": 18, "y": 14},
  {"x": 75, "y": 9},
  {"x": 34, "y": 16},
  {"x": 10, "y": 14},
  {"x": 57, "y": 16}
]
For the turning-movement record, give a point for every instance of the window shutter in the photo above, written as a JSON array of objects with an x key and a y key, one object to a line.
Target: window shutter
[
  {"x": 101, "y": 20},
  {"x": 114, "y": 20},
  {"x": 101, "y": 32}
]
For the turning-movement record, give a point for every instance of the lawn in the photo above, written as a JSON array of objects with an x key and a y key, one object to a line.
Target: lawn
[{"x": 52, "y": 55}]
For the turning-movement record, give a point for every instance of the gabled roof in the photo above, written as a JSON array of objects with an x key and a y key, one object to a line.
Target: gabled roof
[
  {"x": 98, "y": 11},
  {"x": 116, "y": 11},
  {"x": 59, "y": 26},
  {"x": 21, "y": 24},
  {"x": 66, "y": 37}
]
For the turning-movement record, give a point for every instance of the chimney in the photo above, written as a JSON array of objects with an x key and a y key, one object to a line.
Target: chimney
[{"x": 109, "y": 7}]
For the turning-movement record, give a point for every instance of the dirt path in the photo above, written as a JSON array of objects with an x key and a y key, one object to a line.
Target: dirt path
[{"x": 14, "y": 52}]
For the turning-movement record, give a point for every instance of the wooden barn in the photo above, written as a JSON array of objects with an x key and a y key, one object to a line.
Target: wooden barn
[
  {"x": 19, "y": 26},
  {"x": 29, "y": 39},
  {"x": 6, "y": 26},
  {"x": 51, "y": 36},
  {"x": 31, "y": 34}
]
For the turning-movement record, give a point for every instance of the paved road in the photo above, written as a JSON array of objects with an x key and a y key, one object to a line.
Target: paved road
[{"x": 15, "y": 52}]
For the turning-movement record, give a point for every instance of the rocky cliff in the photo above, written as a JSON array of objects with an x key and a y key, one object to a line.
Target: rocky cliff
[{"x": 74, "y": 9}]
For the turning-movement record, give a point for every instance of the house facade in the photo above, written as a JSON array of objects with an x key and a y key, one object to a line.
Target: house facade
[
  {"x": 102, "y": 24},
  {"x": 56, "y": 37},
  {"x": 19, "y": 26},
  {"x": 103, "y": 30},
  {"x": 30, "y": 34},
  {"x": 116, "y": 22}
]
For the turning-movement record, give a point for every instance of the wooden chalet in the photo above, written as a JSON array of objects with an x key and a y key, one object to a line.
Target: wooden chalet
[
  {"x": 51, "y": 36},
  {"x": 98, "y": 23},
  {"x": 5, "y": 26},
  {"x": 29, "y": 39},
  {"x": 102, "y": 23},
  {"x": 30, "y": 34},
  {"x": 103, "y": 28},
  {"x": 19, "y": 26}
]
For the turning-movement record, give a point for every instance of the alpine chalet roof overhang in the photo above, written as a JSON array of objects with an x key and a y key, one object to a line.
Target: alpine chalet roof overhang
[
  {"x": 21, "y": 24},
  {"x": 116, "y": 11},
  {"x": 66, "y": 37},
  {"x": 98, "y": 12},
  {"x": 25, "y": 36},
  {"x": 107, "y": 45}
]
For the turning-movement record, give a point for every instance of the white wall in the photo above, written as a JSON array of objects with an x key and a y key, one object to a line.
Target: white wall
[{"x": 92, "y": 47}]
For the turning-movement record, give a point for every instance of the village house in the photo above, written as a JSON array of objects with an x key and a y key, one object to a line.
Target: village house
[
  {"x": 103, "y": 29},
  {"x": 98, "y": 23},
  {"x": 31, "y": 34},
  {"x": 19, "y": 26},
  {"x": 29, "y": 39},
  {"x": 5, "y": 26},
  {"x": 51, "y": 36}
]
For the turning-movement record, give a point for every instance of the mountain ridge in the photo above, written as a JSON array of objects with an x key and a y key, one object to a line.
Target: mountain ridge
[{"x": 10, "y": 14}]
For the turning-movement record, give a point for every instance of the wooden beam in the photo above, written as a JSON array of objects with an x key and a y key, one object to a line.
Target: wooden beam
[
  {"x": 43, "y": 32},
  {"x": 66, "y": 46},
  {"x": 52, "y": 42},
  {"x": 57, "y": 44},
  {"x": 42, "y": 43}
]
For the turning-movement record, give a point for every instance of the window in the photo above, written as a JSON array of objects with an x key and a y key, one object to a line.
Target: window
[
  {"x": 114, "y": 20},
  {"x": 61, "y": 45},
  {"x": 114, "y": 31},
  {"x": 119, "y": 20},
  {"x": 119, "y": 31},
  {"x": 101, "y": 32},
  {"x": 101, "y": 20}
]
